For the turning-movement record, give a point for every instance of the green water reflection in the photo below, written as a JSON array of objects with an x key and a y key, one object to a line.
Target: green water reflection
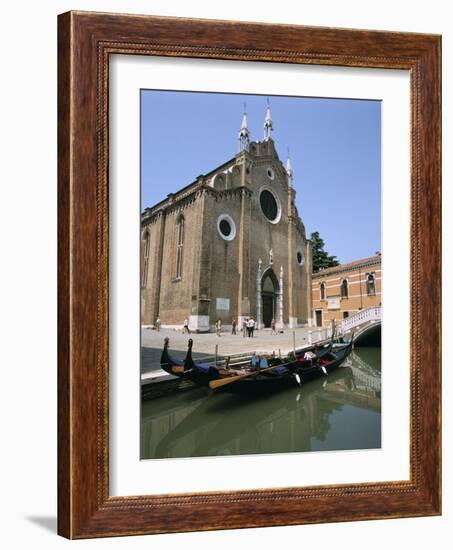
[{"x": 338, "y": 412}]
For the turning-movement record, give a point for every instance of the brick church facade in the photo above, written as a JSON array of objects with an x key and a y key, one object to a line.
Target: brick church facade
[{"x": 230, "y": 245}]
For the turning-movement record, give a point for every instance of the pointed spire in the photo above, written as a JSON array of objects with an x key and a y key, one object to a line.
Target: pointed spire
[
  {"x": 244, "y": 122},
  {"x": 244, "y": 132},
  {"x": 289, "y": 171},
  {"x": 268, "y": 126}
]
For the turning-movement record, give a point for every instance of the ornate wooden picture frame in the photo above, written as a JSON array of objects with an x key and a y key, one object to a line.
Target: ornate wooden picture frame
[{"x": 85, "y": 507}]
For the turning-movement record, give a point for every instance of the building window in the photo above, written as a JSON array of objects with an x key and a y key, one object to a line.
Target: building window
[
  {"x": 371, "y": 285},
  {"x": 145, "y": 264},
  {"x": 345, "y": 314},
  {"x": 344, "y": 288},
  {"x": 322, "y": 291},
  {"x": 300, "y": 258},
  {"x": 270, "y": 205},
  {"x": 179, "y": 247},
  {"x": 226, "y": 227}
]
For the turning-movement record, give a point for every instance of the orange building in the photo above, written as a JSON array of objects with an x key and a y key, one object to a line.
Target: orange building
[{"x": 341, "y": 291}]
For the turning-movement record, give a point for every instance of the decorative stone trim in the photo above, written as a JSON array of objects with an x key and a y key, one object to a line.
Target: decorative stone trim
[{"x": 342, "y": 269}]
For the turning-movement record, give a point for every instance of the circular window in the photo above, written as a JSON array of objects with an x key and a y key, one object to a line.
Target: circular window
[
  {"x": 270, "y": 206},
  {"x": 300, "y": 257},
  {"x": 226, "y": 227},
  {"x": 270, "y": 174}
]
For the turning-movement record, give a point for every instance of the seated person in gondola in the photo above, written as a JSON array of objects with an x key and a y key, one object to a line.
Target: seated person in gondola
[
  {"x": 309, "y": 357},
  {"x": 254, "y": 362},
  {"x": 257, "y": 363}
]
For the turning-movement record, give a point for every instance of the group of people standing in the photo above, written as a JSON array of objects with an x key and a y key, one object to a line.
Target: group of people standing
[{"x": 248, "y": 327}]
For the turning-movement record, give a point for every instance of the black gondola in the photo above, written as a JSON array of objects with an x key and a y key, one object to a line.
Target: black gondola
[
  {"x": 276, "y": 374},
  {"x": 293, "y": 373},
  {"x": 200, "y": 373}
]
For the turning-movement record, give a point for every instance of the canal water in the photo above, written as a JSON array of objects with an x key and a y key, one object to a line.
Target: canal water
[{"x": 341, "y": 411}]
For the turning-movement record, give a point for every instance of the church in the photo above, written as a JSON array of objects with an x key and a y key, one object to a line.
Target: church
[{"x": 229, "y": 245}]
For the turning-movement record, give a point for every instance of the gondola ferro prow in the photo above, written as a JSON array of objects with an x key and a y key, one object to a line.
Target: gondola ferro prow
[{"x": 188, "y": 361}]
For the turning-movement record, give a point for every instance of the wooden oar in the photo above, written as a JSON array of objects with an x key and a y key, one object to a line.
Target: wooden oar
[{"x": 213, "y": 384}]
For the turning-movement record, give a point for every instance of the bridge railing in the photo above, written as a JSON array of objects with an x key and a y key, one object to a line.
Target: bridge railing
[
  {"x": 319, "y": 334},
  {"x": 360, "y": 318}
]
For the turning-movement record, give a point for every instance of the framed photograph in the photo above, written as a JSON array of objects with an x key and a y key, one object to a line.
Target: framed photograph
[{"x": 249, "y": 275}]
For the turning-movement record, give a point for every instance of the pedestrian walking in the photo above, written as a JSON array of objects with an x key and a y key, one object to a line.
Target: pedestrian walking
[
  {"x": 233, "y": 326},
  {"x": 252, "y": 327},
  {"x": 244, "y": 327},
  {"x": 185, "y": 328},
  {"x": 273, "y": 325},
  {"x": 218, "y": 327},
  {"x": 158, "y": 324}
]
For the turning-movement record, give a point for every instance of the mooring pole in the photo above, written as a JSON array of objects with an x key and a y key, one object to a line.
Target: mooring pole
[
  {"x": 294, "y": 343},
  {"x": 216, "y": 353}
]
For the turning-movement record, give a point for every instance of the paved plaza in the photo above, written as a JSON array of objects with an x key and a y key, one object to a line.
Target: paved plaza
[{"x": 205, "y": 344}]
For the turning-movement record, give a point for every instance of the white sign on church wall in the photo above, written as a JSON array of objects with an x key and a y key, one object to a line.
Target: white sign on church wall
[{"x": 223, "y": 304}]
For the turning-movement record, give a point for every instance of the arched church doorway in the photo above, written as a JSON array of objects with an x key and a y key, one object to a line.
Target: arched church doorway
[{"x": 269, "y": 295}]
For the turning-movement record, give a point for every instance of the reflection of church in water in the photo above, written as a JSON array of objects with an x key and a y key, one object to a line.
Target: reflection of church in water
[
  {"x": 229, "y": 245},
  {"x": 338, "y": 412}
]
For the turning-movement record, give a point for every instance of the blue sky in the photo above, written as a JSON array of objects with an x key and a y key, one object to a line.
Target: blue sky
[{"x": 335, "y": 149}]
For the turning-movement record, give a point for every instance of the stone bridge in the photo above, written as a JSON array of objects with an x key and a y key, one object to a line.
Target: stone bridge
[{"x": 366, "y": 325}]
